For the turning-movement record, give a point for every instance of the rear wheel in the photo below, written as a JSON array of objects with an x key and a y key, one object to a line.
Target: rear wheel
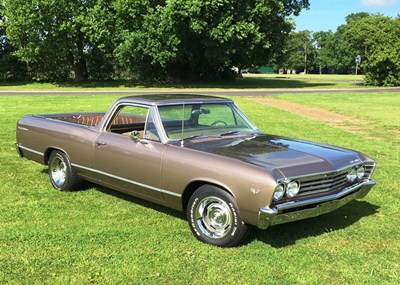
[
  {"x": 214, "y": 217},
  {"x": 63, "y": 176}
]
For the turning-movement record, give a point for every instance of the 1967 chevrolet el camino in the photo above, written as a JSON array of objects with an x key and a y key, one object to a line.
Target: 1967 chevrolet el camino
[{"x": 200, "y": 155}]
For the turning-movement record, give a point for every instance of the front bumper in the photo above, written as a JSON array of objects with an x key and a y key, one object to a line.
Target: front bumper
[{"x": 299, "y": 210}]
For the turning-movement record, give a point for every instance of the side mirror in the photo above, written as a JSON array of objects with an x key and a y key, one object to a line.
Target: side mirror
[{"x": 135, "y": 136}]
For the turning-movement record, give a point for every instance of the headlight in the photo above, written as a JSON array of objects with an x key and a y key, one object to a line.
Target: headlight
[
  {"x": 279, "y": 192},
  {"x": 292, "y": 189},
  {"x": 352, "y": 175},
  {"x": 360, "y": 172}
]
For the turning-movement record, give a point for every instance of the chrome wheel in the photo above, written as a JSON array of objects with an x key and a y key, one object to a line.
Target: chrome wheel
[
  {"x": 58, "y": 171},
  {"x": 214, "y": 217},
  {"x": 63, "y": 176}
]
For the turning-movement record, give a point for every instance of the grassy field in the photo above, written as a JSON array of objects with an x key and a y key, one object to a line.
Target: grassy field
[
  {"x": 249, "y": 81},
  {"x": 98, "y": 236}
]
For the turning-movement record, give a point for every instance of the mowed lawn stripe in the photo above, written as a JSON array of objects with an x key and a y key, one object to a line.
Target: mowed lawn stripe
[{"x": 345, "y": 122}]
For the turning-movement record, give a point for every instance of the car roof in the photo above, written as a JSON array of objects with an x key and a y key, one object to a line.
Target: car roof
[{"x": 173, "y": 99}]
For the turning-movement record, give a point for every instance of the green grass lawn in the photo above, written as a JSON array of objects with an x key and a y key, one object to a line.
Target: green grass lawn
[
  {"x": 99, "y": 236},
  {"x": 382, "y": 109},
  {"x": 249, "y": 81}
]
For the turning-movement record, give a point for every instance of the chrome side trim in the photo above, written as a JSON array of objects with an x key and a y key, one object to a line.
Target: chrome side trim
[
  {"x": 312, "y": 207},
  {"x": 128, "y": 180},
  {"x": 30, "y": 150},
  {"x": 19, "y": 150}
]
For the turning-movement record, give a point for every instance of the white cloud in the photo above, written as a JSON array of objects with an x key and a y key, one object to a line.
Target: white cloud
[{"x": 379, "y": 3}]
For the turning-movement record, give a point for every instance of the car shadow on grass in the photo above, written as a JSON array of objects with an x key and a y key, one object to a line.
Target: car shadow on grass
[
  {"x": 280, "y": 235},
  {"x": 139, "y": 201},
  {"x": 277, "y": 236},
  {"x": 288, "y": 234},
  {"x": 88, "y": 186}
]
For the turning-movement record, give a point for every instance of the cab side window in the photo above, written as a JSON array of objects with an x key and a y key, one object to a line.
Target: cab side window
[{"x": 130, "y": 118}]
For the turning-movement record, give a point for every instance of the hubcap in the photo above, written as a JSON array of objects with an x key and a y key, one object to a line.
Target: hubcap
[
  {"x": 58, "y": 171},
  {"x": 214, "y": 217}
]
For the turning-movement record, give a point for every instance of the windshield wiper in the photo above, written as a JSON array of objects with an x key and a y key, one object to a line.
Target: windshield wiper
[
  {"x": 195, "y": 137},
  {"x": 236, "y": 132}
]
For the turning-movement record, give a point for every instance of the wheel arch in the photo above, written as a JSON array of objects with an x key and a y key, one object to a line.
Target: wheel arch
[
  {"x": 48, "y": 152},
  {"x": 194, "y": 185}
]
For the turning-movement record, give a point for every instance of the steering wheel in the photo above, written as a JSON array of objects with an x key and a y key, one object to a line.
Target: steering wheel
[{"x": 219, "y": 122}]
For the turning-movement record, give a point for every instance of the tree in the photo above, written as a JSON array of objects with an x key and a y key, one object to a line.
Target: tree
[
  {"x": 376, "y": 38},
  {"x": 100, "y": 28},
  {"x": 174, "y": 39},
  {"x": 203, "y": 39},
  {"x": 324, "y": 42},
  {"x": 10, "y": 67},
  {"x": 49, "y": 36},
  {"x": 335, "y": 50},
  {"x": 300, "y": 53}
]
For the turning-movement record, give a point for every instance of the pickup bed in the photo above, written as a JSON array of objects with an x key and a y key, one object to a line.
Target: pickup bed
[
  {"x": 87, "y": 119},
  {"x": 122, "y": 123}
]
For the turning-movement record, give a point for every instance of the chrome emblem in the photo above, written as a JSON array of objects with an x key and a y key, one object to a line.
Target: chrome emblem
[{"x": 254, "y": 190}]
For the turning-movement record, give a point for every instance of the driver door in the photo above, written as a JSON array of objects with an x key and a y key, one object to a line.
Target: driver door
[{"x": 131, "y": 166}]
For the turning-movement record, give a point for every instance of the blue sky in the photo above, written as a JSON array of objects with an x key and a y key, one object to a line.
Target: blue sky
[{"x": 325, "y": 15}]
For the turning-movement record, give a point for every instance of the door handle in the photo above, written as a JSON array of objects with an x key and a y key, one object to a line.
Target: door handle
[{"x": 100, "y": 143}]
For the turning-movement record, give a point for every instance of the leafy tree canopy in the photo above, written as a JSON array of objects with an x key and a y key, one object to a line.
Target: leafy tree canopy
[
  {"x": 376, "y": 38},
  {"x": 10, "y": 67},
  {"x": 174, "y": 39},
  {"x": 202, "y": 39},
  {"x": 300, "y": 54}
]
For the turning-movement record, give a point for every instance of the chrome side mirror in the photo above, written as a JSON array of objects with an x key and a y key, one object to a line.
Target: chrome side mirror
[{"x": 135, "y": 136}]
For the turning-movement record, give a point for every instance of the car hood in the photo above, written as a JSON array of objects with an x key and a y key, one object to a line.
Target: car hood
[{"x": 283, "y": 157}]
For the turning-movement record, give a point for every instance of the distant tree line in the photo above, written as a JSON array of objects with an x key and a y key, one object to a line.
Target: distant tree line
[
  {"x": 184, "y": 40},
  {"x": 148, "y": 39},
  {"x": 373, "y": 37}
]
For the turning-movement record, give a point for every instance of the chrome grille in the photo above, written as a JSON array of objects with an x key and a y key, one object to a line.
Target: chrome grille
[
  {"x": 369, "y": 168},
  {"x": 330, "y": 182}
]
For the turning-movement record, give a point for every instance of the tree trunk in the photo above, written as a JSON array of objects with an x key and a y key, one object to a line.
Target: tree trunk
[
  {"x": 79, "y": 66},
  {"x": 305, "y": 58},
  {"x": 80, "y": 70}
]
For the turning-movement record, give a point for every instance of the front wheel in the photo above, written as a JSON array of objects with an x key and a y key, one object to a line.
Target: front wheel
[
  {"x": 63, "y": 176},
  {"x": 214, "y": 217}
]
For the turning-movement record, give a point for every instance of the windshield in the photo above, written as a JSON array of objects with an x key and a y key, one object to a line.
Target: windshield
[{"x": 198, "y": 120}]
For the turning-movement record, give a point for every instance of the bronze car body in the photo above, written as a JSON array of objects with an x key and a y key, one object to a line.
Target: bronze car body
[{"x": 198, "y": 154}]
